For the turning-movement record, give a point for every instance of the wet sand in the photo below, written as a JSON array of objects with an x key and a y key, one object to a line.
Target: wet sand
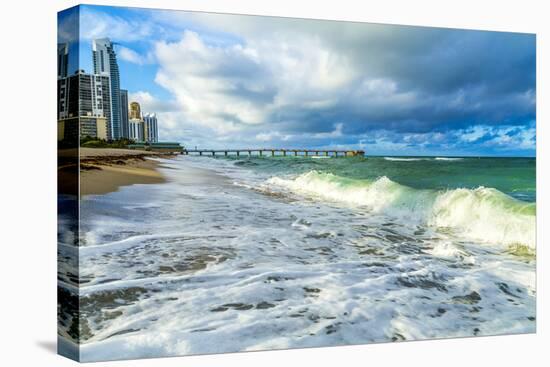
[{"x": 106, "y": 170}]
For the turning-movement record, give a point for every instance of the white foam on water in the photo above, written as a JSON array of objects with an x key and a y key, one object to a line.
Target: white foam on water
[
  {"x": 448, "y": 159},
  {"x": 416, "y": 159},
  {"x": 484, "y": 214},
  {"x": 398, "y": 159},
  {"x": 192, "y": 269}
]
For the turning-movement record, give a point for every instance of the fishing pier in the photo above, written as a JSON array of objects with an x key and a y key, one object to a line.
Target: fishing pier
[{"x": 276, "y": 152}]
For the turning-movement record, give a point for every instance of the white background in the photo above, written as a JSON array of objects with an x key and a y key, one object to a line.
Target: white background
[{"x": 28, "y": 181}]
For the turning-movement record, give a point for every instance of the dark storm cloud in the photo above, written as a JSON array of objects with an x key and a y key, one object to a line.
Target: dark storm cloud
[
  {"x": 306, "y": 82},
  {"x": 454, "y": 78}
]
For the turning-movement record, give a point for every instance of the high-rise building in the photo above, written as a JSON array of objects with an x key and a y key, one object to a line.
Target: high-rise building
[
  {"x": 124, "y": 114},
  {"x": 93, "y": 126},
  {"x": 84, "y": 101},
  {"x": 105, "y": 63},
  {"x": 135, "y": 111},
  {"x": 142, "y": 128},
  {"x": 62, "y": 60},
  {"x": 136, "y": 126},
  {"x": 150, "y": 128},
  {"x": 135, "y": 129},
  {"x": 83, "y": 94}
]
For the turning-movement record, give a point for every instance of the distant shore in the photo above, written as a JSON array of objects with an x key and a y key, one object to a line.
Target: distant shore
[{"x": 106, "y": 170}]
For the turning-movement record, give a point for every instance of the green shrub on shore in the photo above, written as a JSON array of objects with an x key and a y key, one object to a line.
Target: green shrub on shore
[{"x": 89, "y": 142}]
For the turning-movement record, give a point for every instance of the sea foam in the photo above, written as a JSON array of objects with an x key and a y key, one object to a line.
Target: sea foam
[
  {"x": 398, "y": 159},
  {"x": 483, "y": 214},
  {"x": 448, "y": 159},
  {"x": 215, "y": 267}
]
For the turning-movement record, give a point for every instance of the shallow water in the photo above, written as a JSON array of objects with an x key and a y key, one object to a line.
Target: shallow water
[{"x": 233, "y": 255}]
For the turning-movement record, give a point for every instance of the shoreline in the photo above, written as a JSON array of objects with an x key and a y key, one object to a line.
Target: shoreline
[
  {"x": 296, "y": 258},
  {"x": 105, "y": 170}
]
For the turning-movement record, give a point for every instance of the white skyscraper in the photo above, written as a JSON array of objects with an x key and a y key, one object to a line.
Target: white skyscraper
[
  {"x": 105, "y": 63},
  {"x": 84, "y": 101},
  {"x": 135, "y": 130},
  {"x": 150, "y": 130},
  {"x": 83, "y": 94}
]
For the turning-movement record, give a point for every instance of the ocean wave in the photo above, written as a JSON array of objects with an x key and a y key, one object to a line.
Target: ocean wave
[
  {"x": 246, "y": 163},
  {"x": 397, "y": 159},
  {"x": 448, "y": 159},
  {"x": 415, "y": 159},
  {"x": 481, "y": 214}
]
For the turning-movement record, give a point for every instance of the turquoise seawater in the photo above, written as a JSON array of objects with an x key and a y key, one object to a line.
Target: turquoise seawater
[
  {"x": 515, "y": 177},
  {"x": 253, "y": 253}
]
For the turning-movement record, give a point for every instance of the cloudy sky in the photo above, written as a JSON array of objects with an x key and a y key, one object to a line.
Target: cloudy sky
[{"x": 243, "y": 81}]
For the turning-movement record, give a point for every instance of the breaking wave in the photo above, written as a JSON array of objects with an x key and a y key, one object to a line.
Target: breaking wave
[
  {"x": 397, "y": 159},
  {"x": 415, "y": 159},
  {"x": 448, "y": 159},
  {"x": 481, "y": 214}
]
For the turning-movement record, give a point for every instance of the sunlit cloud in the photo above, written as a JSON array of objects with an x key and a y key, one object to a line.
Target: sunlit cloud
[{"x": 234, "y": 79}]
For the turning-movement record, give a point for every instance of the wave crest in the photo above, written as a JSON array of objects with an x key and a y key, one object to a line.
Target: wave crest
[
  {"x": 483, "y": 214},
  {"x": 448, "y": 159},
  {"x": 397, "y": 159}
]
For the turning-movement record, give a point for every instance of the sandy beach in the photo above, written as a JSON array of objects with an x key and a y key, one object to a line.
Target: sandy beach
[{"x": 105, "y": 170}]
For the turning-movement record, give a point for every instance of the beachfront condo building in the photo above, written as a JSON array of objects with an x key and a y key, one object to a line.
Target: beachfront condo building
[
  {"x": 135, "y": 127},
  {"x": 142, "y": 128},
  {"x": 93, "y": 126},
  {"x": 125, "y": 133},
  {"x": 83, "y": 94},
  {"x": 84, "y": 99},
  {"x": 150, "y": 128},
  {"x": 62, "y": 60},
  {"x": 72, "y": 128},
  {"x": 68, "y": 130},
  {"x": 105, "y": 63}
]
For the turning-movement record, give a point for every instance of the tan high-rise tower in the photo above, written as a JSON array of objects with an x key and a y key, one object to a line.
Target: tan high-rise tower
[
  {"x": 135, "y": 123},
  {"x": 135, "y": 111}
]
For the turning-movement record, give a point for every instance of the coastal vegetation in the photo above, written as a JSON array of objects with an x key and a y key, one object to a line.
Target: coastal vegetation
[{"x": 91, "y": 142}]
